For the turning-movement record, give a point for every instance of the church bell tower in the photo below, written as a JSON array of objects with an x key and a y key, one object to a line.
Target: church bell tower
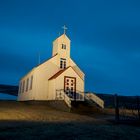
[{"x": 61, "y": 47}]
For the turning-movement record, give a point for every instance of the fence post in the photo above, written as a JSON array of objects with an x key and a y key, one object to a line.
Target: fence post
[
  {"x": 116, "y": 100},
  {"x": 138, "y": 107}
]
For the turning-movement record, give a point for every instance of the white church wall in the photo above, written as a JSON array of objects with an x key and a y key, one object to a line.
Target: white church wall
[
  {"x": 43, "y": 73},
  {"x": 64, "y": 53},
  {"x": 51, "y": 94},
  {"x": 24, "y": 94}
]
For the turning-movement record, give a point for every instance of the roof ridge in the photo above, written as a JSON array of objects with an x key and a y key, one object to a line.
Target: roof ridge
[{"x": 58, "y": 73}]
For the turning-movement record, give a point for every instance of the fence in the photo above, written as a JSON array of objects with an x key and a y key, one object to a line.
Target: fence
[{"x": 127, "y": 110}]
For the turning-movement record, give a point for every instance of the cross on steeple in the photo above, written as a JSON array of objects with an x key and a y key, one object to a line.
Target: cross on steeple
[{"x": 65, "y": 28}]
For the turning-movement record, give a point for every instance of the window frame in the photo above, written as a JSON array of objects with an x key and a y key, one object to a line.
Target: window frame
[
  {"x": 64, "y": 46},
  {"x": 20, "y": 87},
  {"x": 63, "y": 63},
  {"x": 31, "y": 82},
  {"x": 27, "y": 84},
  {"x": 23, "y": 86}
]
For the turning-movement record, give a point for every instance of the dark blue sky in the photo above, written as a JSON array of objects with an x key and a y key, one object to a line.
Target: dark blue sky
[{"x": 105, "y": 37}]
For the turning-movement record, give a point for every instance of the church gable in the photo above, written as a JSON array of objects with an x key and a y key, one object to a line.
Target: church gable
[
  {"x": 63, "y": 36},
  {"x": 57, "y": 74},
  {"x": 63, "y": 71}
]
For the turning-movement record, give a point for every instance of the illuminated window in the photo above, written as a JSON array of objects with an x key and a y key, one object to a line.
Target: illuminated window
[
  {"x": 63, "y": 46},
  {"x": 62, "y": 63}
]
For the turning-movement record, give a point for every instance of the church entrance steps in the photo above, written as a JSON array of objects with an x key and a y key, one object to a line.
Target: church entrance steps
[
  {"x": 75, "y": 99},
  {"x": 76, "y": 96},
  {"x": 83, "y": 107},
  {"x": 92, "y": 99},
  {"x": 69, "y": 96}
]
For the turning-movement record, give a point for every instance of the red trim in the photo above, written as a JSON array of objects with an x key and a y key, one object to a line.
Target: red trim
[{"x": 60, "y": 72}]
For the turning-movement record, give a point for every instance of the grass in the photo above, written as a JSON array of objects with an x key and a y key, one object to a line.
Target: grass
[{"x": 19, "y": 120}]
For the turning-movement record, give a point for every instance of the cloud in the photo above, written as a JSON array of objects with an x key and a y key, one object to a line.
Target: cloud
[{"x": 104, "y": 34}]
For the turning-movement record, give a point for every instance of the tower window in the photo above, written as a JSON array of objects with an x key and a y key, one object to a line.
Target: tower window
[
  {"x": 62, "y": 63},
  {"x": 63, "y": 46}
]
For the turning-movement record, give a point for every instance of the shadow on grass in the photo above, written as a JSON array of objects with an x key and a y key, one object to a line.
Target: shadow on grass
[{"x": 65, "y": 130}]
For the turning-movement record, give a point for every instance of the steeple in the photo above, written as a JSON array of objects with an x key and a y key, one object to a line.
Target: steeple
[{"x": 61, "y": 45}]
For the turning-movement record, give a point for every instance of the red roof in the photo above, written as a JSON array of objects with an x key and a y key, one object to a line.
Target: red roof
[{"x": 58, "y": 73}]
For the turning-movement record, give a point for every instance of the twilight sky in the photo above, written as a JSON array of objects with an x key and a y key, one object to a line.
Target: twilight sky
[{"x": 105, "y": 40}]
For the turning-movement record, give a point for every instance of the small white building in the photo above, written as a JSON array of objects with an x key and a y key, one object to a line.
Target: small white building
[{"x": 58, "y": 78}]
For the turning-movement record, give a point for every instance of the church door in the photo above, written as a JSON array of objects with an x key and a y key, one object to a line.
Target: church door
[{"x": 70, "y": 86}]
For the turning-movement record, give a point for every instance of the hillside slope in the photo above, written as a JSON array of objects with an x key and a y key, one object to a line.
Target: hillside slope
[{"x": 22, "y": 120}]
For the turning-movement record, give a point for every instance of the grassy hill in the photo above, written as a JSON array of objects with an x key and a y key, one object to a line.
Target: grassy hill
[{"x": 22, "y": 120}]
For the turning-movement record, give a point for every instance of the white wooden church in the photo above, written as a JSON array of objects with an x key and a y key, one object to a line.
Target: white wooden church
[{"x": 57, "y": 78}]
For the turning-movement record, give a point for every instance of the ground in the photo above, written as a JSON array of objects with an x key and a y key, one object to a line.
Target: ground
[{"x": 30, "y": 121}]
